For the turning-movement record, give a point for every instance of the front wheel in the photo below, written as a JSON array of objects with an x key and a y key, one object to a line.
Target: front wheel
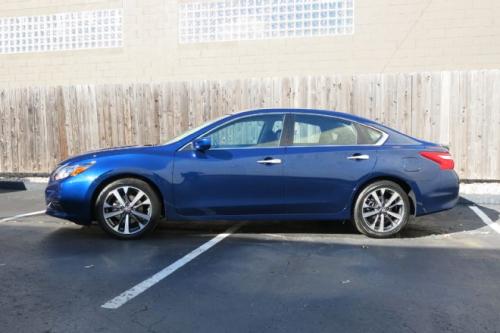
[
  {"x": 127, "y": 208},
  {"x": 382, "y": 209}
]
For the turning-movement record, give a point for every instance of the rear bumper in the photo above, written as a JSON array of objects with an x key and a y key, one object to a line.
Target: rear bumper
[{"x": 438, "y": 194}]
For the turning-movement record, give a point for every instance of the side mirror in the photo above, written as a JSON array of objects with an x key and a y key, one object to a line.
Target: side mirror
[{"x": 202, "y": 144}]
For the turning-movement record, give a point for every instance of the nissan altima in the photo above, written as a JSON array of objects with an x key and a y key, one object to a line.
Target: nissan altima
[{"x": 268, "y": 164}]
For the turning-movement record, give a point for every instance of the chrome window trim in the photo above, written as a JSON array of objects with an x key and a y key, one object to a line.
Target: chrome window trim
[{"x": 379, "y": 143}]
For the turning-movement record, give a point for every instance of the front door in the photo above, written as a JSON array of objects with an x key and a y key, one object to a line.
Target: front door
[{"x": 241, "y": 173}]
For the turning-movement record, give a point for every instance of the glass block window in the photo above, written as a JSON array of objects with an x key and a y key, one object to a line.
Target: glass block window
[
  {"x": 234, "y": 20},
  {"x": 61, "y": 31}
]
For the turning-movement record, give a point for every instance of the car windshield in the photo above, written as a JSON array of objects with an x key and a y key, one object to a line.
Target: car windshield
[{"x": 193, "y": 130}]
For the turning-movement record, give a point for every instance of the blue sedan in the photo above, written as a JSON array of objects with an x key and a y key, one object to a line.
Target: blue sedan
[{"x": 269, "y": 164}]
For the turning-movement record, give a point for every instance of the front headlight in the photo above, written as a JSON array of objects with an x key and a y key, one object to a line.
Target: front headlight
[{"x": 71, "y": 170}]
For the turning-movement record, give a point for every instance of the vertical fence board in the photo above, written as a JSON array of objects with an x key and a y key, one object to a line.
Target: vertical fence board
[
  {"x": 493, "y": 133},
  {"x": 4, "y": 135}
]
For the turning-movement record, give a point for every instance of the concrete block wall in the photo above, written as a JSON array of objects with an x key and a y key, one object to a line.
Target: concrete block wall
[{"x": 390, "y": 36}]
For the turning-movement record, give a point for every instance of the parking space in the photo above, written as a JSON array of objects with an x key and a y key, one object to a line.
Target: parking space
[{"x": 440, "y": 274}]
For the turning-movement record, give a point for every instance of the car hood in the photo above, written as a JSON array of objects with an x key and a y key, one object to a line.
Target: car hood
[{"x": 105, "y": 152}]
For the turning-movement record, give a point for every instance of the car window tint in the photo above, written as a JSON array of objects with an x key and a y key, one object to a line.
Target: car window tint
[
  {"x": 254, "y": 131},
  {"x": 320, "y": 130}
]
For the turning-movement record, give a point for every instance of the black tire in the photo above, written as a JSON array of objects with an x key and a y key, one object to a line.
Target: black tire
[
  {"x": 151, "y": 208},
  {"x": 363, "y": 225}
]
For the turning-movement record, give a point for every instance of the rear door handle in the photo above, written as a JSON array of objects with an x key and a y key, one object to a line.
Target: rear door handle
[
  {"x": 359, "y": 157},
  {"x": 270, "y": 161}
]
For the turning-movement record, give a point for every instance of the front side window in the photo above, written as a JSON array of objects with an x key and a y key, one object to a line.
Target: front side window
[
  {"x": 254, "y": 131},
  {"x": 311, "y": 130}
]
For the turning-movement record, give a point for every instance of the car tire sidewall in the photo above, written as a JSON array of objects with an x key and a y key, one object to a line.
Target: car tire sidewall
[
  {"x": 359, "y": 220},
  {"x": 143, "y": 186}
]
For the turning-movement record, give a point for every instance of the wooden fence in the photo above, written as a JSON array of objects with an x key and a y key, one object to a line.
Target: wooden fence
[{"x": 40, "y": 126}]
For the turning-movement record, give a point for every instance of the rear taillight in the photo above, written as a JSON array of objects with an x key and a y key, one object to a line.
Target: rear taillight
[{"x": 444, "y": 159}]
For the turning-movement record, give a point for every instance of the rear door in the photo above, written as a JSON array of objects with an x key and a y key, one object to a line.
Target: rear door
[{"x": 325, "y": 158}]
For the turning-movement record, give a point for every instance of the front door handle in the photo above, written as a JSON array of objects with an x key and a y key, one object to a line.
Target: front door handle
[
  {"x": 359, "y": 157},
  {"x": 270, "y": 161}
]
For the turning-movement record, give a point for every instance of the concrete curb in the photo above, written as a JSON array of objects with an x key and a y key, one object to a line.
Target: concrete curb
[
  {"x": 22, "y": 184},
  {"x": 480, "y": 199},
  {"x": 12, "y": 185}
]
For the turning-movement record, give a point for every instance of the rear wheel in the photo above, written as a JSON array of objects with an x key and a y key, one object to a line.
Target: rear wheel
[
  {"x": 128, "y": 208},
  {"x": 382, "y": 209}
]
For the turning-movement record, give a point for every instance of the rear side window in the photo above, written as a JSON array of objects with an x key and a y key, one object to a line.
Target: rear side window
[{"x": 311, "y": 130}]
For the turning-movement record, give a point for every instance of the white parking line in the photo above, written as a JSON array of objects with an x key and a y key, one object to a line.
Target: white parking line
[
  {"x": 485, "y": 218},
  {"x": 138, "y": 289},
  {"x": 40, "y": 212}
]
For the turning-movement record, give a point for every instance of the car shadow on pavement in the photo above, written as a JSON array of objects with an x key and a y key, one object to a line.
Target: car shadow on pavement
[{"x": 459, "y": 219}]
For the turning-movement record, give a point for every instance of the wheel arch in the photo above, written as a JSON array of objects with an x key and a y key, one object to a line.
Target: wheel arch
[
  {"x": 108, "y": 180},
  {"x": 398, "y": 180}
]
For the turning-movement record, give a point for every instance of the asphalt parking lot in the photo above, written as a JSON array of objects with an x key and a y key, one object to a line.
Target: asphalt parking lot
[{"x": 441, "y": 274}]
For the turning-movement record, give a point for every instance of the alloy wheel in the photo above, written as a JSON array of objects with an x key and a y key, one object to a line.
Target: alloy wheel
[
  {"x": 127, "y": 210},
  {"x": 383, "y": 210}
]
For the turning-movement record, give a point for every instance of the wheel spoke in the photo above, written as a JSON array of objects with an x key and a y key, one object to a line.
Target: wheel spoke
[
  {"x": 375, "y": 196},
  {"x": 395, "y": 215},
  {"x": 141, "y": 226},
  {"x": 138, "y": 196},
  {"x": 381, "y": 225},
  {"x": 111, "y": 214},
  {"x": 145, "y": 202},
  {"x": 373, "y": 212},
  {"x": 116, "y": 227},
  {"x": 393, "y": 197},
  {"x": 399, "y": 202},
  {"x": 375, "y": 222},
  {"x": 126, "y": 227},
  {"x": 141, "y": 215},
  {"x": 390, "y": 219},
  {"x": 118, "y": 197}
]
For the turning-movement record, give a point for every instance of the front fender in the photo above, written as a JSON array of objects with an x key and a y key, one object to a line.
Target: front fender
[{"x": 158, "y": 174}]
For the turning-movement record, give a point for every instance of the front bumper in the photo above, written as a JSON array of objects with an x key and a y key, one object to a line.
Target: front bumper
[{"x": 67, "y": 200}]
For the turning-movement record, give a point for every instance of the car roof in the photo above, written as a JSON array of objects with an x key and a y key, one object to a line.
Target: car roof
[{"x": 342, "y": 115}]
